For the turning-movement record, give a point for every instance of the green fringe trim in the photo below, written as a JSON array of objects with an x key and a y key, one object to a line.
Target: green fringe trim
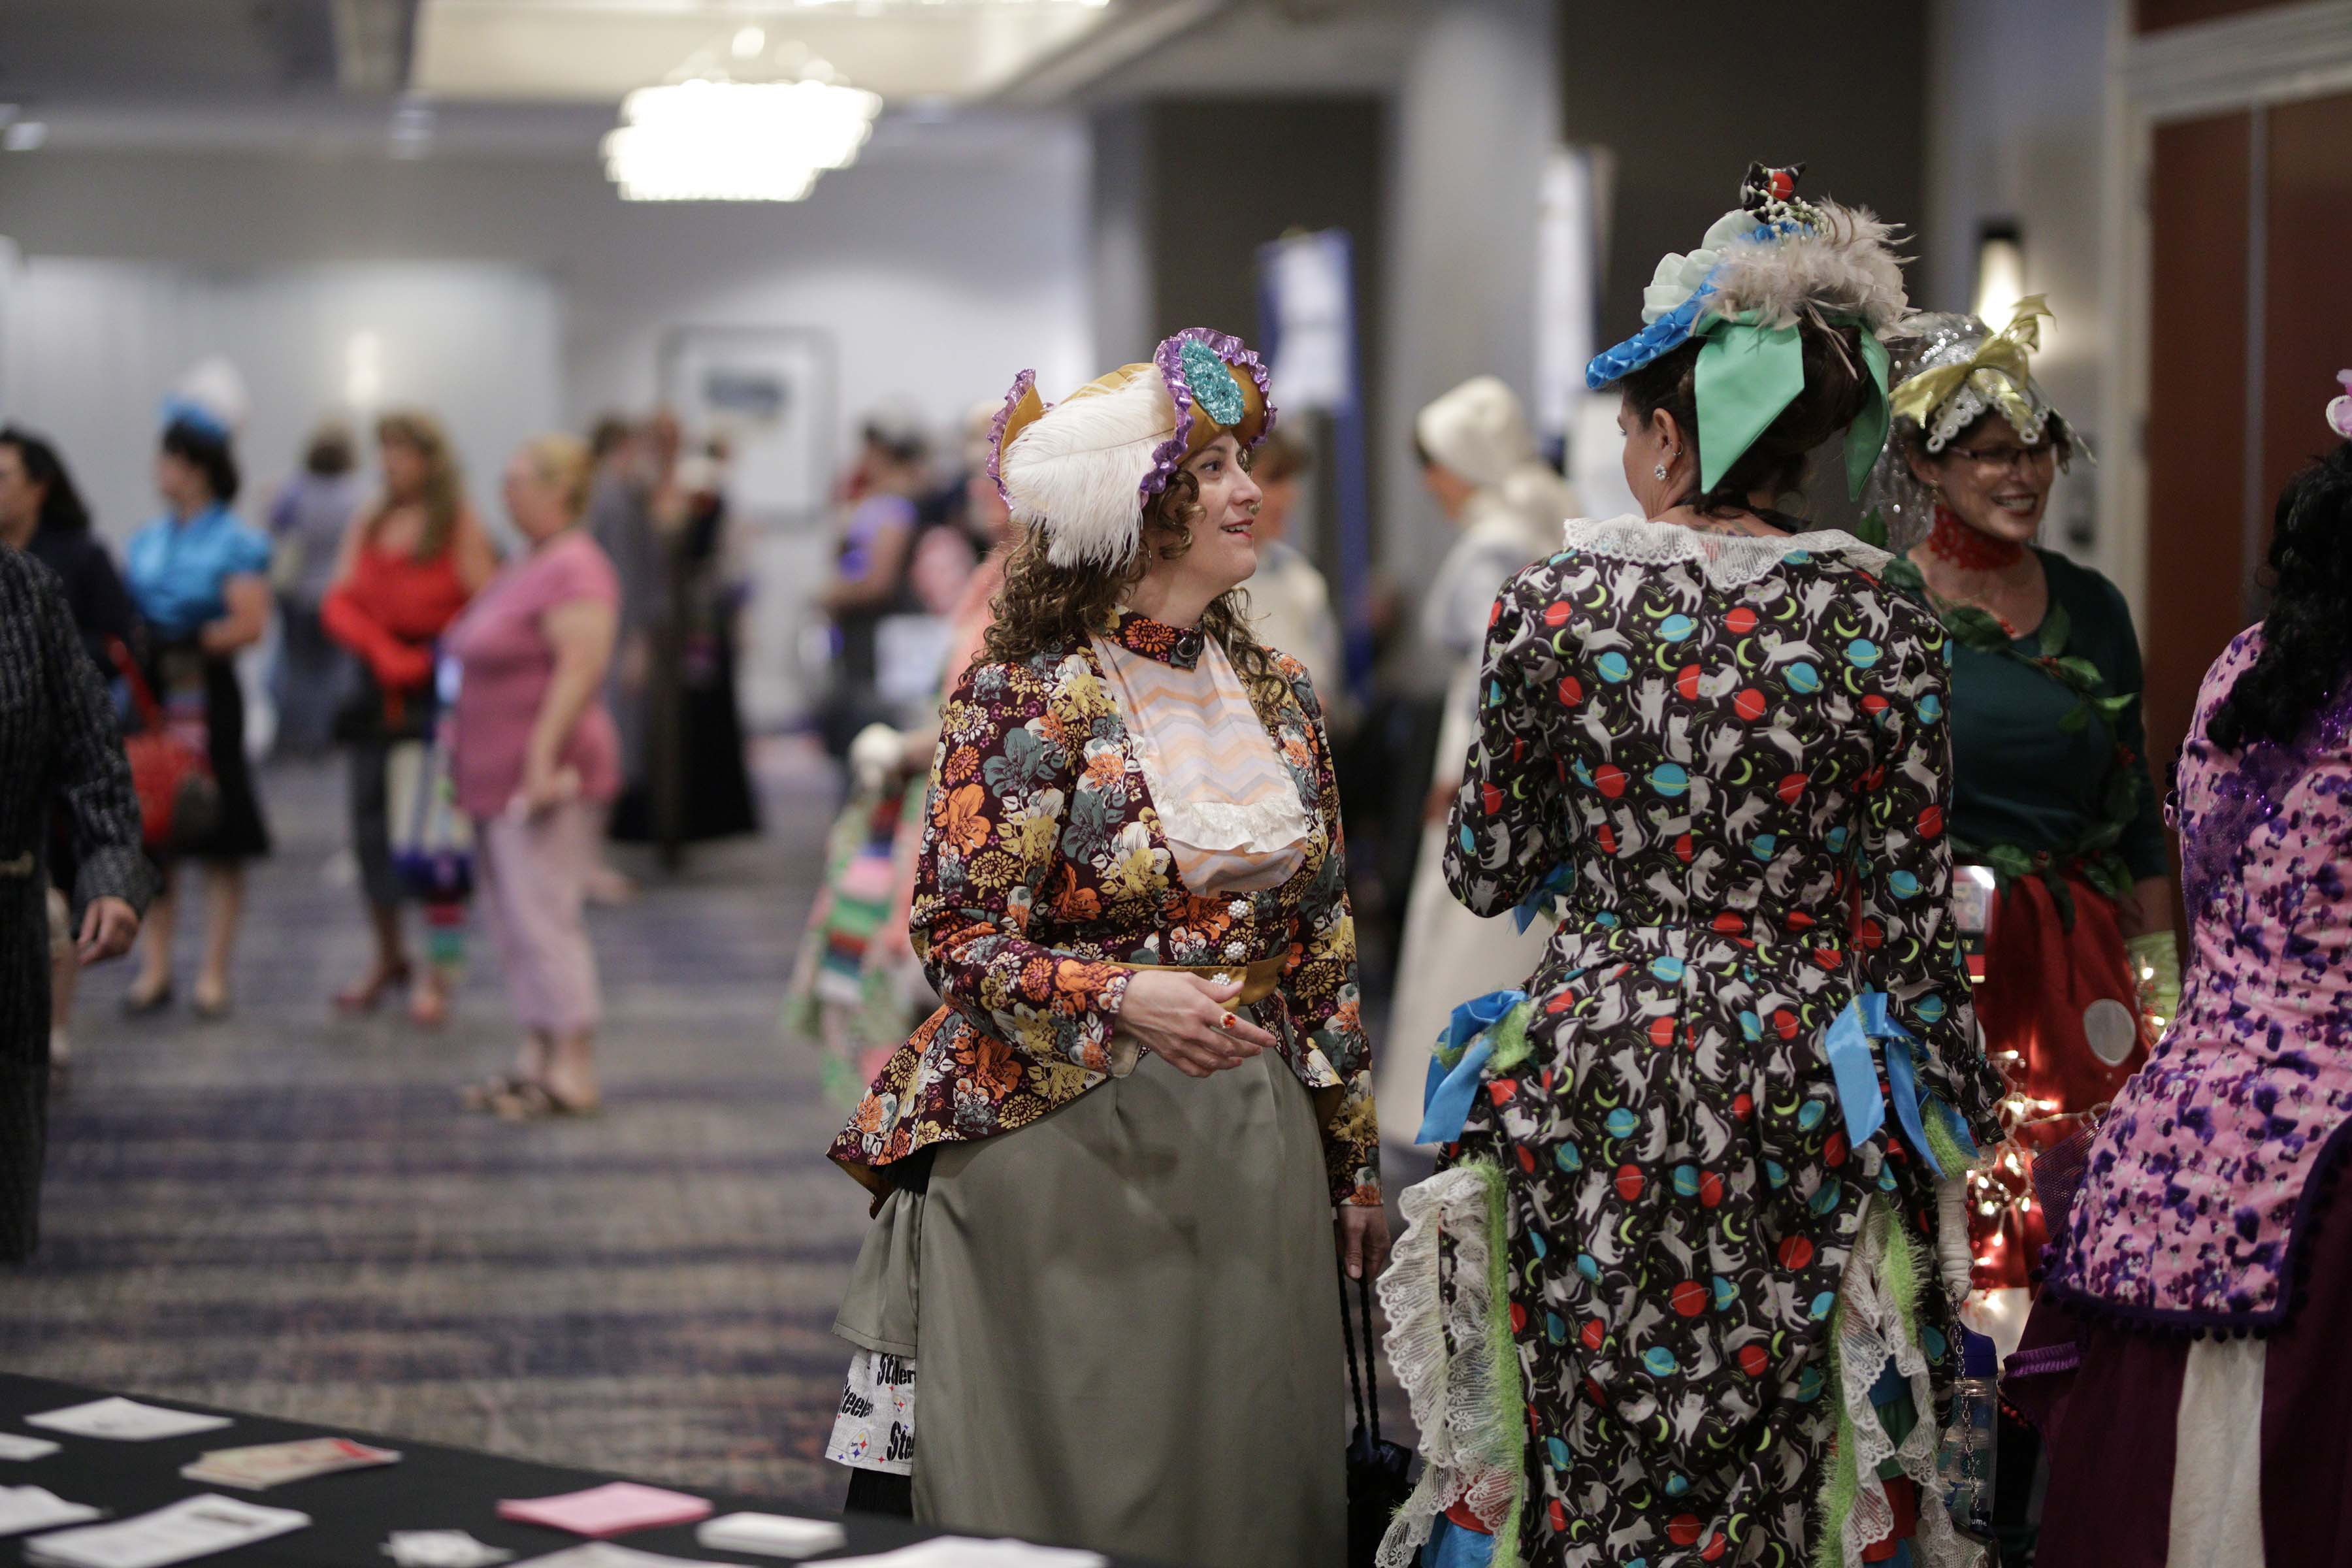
[
  {"x": 1908, "y": 1269},
  {"x": 1509, "y": 1417},
  {"x": 1840, "y": 1484},
  {"x": 1509, "y": 1034},
  {"x": 1942, "y": 1143}
]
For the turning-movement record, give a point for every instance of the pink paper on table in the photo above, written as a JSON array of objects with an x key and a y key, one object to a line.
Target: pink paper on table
[{"x": 608, "y": 1510}]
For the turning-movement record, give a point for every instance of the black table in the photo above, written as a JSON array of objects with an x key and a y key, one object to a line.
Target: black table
[{"x": 352, "y": 1513}]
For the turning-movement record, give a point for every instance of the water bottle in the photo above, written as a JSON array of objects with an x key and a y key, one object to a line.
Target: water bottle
[{"x": 1964, "y": 1466}]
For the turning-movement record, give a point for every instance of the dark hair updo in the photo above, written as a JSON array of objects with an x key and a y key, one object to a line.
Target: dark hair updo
[
  {"x": 1837, "y": 389},
  {"x": 2307, "y": 636},
  {"x": 206, "y": 451}
]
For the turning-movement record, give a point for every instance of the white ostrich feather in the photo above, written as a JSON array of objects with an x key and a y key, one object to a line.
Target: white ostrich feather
[
  {"x": 1079, "y": 470},
  {"x": 1844, "y": 265}
]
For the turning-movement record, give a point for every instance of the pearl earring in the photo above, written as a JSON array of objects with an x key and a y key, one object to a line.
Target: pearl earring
[{"x": 1660, "y": 470}]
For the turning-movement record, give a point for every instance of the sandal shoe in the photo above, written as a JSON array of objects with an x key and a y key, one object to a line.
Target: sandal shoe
[
  {"x": 134, "y": 1006},
  {"x": 364, "y": 996},
  {"x": 428, "y": 1009},
  {"x": 534, "y": 1103},
  {"x": 485, "y": 1093}
]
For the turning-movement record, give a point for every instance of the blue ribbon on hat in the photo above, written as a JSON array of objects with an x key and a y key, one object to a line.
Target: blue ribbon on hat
[
  {"x": 1463, "y": 1046},
  {"x": 1865, "y": 1019}
]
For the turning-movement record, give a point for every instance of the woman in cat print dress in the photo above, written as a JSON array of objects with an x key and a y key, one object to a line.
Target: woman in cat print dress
[{"x": 1705, "y": 1169}]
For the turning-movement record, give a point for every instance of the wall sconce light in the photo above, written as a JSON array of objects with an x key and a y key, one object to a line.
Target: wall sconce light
[{"x": 2000, "y": 271}]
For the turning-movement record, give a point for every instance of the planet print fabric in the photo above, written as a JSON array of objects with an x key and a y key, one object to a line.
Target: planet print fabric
[{"x": 1735, "y": 749}]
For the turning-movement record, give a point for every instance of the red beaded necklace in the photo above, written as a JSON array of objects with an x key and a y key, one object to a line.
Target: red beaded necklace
[{"x": 1968, "y": 547}]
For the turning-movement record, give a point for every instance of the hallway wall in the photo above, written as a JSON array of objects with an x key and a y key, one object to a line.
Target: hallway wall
[{"x": 940, "y": 269}]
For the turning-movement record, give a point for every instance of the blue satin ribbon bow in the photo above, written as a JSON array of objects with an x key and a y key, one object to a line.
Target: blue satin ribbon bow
[
  {"x": 1466, "y": 1045},
  {"x": 1865, "y": 1019},
  {"x": 1556, "y": 884}
]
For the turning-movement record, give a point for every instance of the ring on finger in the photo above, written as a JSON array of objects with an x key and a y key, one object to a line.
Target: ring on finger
[{"x": 1229, "y": 1023}]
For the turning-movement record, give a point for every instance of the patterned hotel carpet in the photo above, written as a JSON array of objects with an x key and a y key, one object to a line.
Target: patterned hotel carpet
[{"x": 284, "y": 1212}]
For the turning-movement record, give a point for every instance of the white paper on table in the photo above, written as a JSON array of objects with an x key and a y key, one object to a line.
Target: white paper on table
[
  {"x": 770, "y": 1534},
  {"x": 441, "y": 1549},
  {"x": 194, "y": 1527},
  {"x": 605, "y": 1555},
  {"x": 37, "y": 1508},
  {"x": 17, "y": 1445},
  {"x": 125, "y": 1420},
  {"x": 965, "y": 1551}
]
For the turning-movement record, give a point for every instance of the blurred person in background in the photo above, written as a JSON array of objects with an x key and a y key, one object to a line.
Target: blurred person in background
[
  {"x": 870, "y": 565},
  {"x": 619, "y": 518},
  {"x": 2054, "y": 814},
  {"x": 406, "y": 567},
  {"x": 42, "y": 514},
  {"x": 858, "y": 987},
  {"x": 1479, "y": 461},
  {"x": 1289, "y": 601},
  {"x": 200, "y": 578},
  {"x": 696, "y": 780},
  {"x": 60, "y": 753},
  {"x": 308, "y": 522},
  {"x": 536, "y": 762}
]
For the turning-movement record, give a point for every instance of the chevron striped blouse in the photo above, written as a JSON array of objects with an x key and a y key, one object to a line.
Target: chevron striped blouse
[{"x": 1229, "y": 809}]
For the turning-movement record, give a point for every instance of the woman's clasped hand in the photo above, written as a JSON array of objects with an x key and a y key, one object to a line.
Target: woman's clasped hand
[{"x": 1190, "y": 1020}]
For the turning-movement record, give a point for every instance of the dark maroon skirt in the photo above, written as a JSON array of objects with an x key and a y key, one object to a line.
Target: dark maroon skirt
[{"x": 2107, "y": 1400}]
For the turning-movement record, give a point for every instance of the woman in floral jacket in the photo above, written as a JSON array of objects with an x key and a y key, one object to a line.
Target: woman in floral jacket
[{"x": 1132, "y": 894}]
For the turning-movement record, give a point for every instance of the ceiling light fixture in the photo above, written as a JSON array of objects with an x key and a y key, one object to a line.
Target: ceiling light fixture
[
  {"x": 24, "y": 135},
  {"x": 717, "y": 141}
]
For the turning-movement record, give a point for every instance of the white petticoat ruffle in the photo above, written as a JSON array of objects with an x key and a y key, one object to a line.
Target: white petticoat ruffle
[
  {"x": 1872, "y": 1334},
  {"x": 1465, "y": 1400}
]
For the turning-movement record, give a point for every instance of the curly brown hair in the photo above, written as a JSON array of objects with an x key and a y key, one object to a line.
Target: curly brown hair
[{"x": 1044, "y": 609}]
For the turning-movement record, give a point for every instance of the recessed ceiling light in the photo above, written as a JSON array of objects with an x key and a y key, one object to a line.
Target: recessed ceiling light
[{"x": 24, "y": 135}]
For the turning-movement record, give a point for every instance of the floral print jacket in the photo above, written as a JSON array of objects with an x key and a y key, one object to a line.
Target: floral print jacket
[{"x": 1044, "y": 872}]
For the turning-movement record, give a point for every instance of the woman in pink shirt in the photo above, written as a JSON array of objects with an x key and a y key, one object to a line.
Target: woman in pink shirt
[{"x": 536, "y": 760}]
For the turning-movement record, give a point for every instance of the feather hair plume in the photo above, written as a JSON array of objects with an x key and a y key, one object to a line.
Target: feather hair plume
[
  {"x": 1078, "y": 469},
  {"x": 1839, "y": 264}
]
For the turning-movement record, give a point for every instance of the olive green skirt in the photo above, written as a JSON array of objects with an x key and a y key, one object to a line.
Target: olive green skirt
[{"x": 1125, "y": 1324}]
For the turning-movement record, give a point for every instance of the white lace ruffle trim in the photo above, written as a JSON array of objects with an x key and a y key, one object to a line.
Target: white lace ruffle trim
[
  {"x": 1728, "y": 560},
  {"x": 1465, "y": 1400},
  {"x": 1873, "y": 1333},
  {"x": 1260, "y": 827},
  {"x": 1968, "y": 406}
]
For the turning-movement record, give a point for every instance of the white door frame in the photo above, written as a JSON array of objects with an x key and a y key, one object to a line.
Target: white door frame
[{"x": 2245, "y": 62}]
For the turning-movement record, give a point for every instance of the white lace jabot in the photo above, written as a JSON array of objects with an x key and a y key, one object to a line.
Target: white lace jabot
[{"x": 1728, "y": 560}]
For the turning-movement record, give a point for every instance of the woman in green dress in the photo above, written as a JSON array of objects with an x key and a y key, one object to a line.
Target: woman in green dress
[{"x": 2052, "y": 801}]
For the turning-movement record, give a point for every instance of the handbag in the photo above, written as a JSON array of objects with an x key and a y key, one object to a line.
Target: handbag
[
  {"x": 1380, "y": 1473},
  {"x": 432, "y": 842},
  {"x": 171, "y": 770}
]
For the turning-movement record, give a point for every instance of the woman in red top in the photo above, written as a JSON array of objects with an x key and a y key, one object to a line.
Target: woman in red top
[{"x": 409, "y": 564}]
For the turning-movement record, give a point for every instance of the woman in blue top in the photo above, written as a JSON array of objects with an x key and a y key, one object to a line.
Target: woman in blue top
[{"x": 200, "y": 578}]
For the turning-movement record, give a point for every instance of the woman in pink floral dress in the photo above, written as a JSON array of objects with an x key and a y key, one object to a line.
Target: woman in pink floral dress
[{"x": 2185, "y": 1362}]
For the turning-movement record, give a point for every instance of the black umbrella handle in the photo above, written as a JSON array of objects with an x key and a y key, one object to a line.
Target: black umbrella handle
[{"x": 1368, "y": 1412}]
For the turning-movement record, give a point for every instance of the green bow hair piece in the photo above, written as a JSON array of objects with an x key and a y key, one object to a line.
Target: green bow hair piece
[{"x": 1748, "y": 373}]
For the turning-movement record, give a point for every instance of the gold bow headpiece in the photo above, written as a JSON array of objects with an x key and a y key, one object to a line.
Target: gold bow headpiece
[{"x": 1998, "y": 370}]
